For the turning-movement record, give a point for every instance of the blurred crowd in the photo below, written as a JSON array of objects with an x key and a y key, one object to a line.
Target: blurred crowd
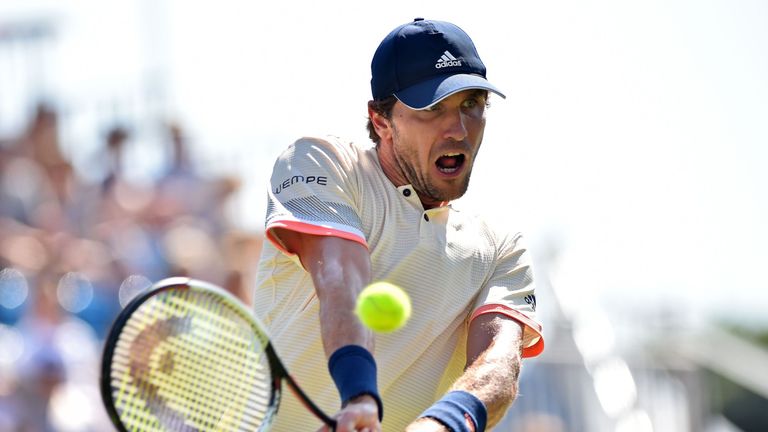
[{"x": 73, "y": 252}]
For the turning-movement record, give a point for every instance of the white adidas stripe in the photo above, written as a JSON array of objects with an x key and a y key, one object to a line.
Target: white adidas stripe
[{"x": 447, "y": 60}]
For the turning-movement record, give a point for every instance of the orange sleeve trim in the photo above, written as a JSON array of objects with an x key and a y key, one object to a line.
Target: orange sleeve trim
[
  {"x": 306, "y": 228},
  {"x": 531, "y": 351}
]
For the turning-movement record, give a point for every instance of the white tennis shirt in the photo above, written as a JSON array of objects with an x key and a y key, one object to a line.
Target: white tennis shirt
[{"x": 452, "y": 264}]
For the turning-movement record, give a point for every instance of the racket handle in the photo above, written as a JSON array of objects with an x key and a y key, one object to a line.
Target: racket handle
[{"x": 301, "y": 396}]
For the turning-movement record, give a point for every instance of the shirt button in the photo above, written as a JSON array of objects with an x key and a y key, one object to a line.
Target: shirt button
[
  {"x": 426, "y": 218},
  {"x": 407, "y": 192}
]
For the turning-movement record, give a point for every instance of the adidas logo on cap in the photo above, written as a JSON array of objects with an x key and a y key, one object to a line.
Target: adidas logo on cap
[{"x": 447, "y": 60}]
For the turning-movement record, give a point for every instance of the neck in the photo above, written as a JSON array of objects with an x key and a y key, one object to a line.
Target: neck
[{"x": 390, "y": 167}]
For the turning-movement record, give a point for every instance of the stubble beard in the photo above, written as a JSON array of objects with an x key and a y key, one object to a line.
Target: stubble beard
[{"x": 420, "y": 181}]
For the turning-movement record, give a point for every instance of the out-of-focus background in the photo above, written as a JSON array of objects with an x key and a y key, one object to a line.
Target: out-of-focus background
[{"x": 137, "y": 136}]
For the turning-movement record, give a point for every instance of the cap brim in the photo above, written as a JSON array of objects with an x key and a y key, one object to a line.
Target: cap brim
[{"x": 432, "y": 91}]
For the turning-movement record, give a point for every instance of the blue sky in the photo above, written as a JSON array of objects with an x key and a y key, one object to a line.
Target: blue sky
[{"x": 634, "y": 133}]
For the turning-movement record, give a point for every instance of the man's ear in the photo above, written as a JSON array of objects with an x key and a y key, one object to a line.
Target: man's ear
[{"x": 381, "y": 124}]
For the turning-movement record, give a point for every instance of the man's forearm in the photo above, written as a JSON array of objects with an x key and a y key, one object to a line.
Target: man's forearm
[
  {"x": 339, "y": 274},
  {"x": 494, "y": 382},
  {"x": 493, "y": 366},
  {"x": 493, "y": 375},
  {"x": 339, "y": 325},
  {"x": 339, "y": 269}
]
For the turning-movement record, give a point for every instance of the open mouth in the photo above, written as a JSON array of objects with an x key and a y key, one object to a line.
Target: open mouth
[{"x": 450, "y": 163}]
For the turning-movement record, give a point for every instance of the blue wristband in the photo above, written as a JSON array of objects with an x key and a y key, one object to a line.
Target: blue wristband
[
  {"x": 453, "y": 408},
  {"x": 353, "y": 370}
]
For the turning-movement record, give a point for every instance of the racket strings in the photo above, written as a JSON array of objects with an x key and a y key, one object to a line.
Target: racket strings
[{"x": 187, "y": 361}]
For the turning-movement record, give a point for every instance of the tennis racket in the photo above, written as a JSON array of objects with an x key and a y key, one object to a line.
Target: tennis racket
[{"x": 188, "y": 356}]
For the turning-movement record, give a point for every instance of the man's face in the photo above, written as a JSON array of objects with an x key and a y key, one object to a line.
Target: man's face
[{"x": 435, "y": 148}]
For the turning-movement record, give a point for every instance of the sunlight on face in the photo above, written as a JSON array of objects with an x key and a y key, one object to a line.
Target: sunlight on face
[{"x": 435, "y": 148}]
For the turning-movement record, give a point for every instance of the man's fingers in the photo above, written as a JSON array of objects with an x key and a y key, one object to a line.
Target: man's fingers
[
  {"x": 358, "y": 416},
  {"x": 356, "y": 421}
]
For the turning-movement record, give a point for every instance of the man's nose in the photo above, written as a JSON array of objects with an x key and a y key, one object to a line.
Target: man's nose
[{"x": 455, "y": 127}]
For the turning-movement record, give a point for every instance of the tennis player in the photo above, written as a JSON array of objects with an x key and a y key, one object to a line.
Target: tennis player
[{"x": 341, "y": 215}]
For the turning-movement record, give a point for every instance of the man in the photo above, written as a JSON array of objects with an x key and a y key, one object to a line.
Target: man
[{"x": 341, "y": 216}]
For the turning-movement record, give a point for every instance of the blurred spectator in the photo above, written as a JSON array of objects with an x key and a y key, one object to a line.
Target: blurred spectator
[
  {"x": 41, "y": 368},
  {"x": 72, "y": 253},
  {"x": 41, "y": 140},
  {"x": 181, "y": 190},
  {"x": 116, "y": 141}
]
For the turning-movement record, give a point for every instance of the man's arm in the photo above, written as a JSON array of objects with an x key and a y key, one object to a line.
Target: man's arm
[
  {"x": 494, "y": 352},
  {"x": 340, "y": 269},
  {"x": 494, "y": 347}
]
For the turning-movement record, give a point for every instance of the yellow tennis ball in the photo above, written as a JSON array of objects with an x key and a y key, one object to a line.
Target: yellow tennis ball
[{"x": 383, "y": 307}]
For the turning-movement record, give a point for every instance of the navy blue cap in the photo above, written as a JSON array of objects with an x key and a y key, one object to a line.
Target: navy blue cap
[{"x": 423, "y": 62}]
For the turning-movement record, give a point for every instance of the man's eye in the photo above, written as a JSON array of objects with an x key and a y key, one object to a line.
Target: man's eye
[{"x": 435, "y": 107}]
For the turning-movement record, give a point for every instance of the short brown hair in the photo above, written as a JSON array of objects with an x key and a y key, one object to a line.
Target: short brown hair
[{"x": 383, "y": 107}]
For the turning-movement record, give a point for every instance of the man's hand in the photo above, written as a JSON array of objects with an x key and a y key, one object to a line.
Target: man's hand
[
  {"x": 360, "y": 415},
  {"x": 426, "y": 425}
]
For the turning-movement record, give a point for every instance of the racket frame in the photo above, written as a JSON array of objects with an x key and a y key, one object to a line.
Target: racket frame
[{"x": 277, "y": 369}]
